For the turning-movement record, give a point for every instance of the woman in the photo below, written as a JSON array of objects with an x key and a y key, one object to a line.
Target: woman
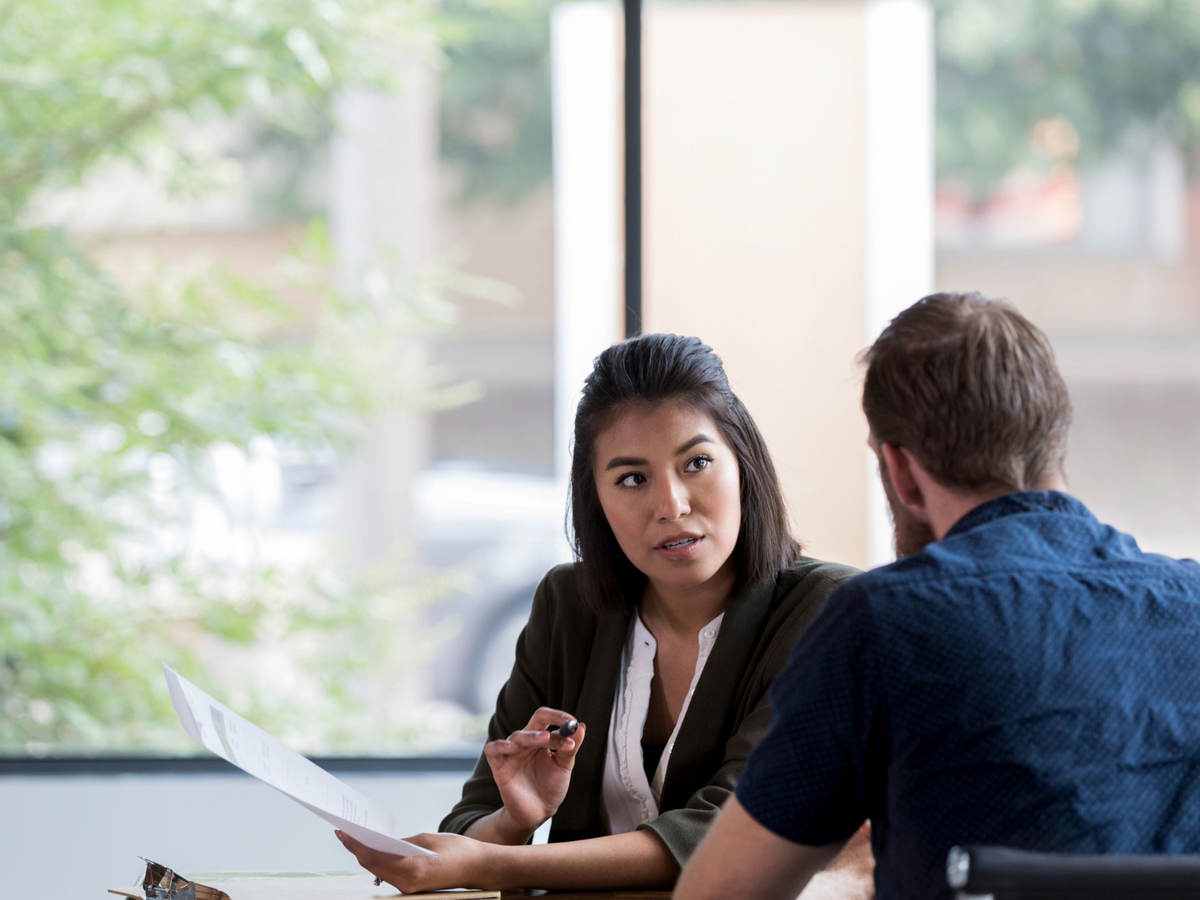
[{"x": 661, "y": 641}]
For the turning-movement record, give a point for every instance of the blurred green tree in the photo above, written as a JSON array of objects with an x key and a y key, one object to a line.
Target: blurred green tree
[
  {"x": 115, "y": 390},
  {"x": 1105, "y": 76},
  {"x": 494, "y": 122}
]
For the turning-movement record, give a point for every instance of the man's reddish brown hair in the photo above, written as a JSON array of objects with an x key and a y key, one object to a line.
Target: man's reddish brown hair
[{"x": 970, "y": 387}]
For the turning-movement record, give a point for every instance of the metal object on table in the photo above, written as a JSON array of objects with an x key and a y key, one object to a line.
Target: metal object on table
[{"x": 163, "y": 883}]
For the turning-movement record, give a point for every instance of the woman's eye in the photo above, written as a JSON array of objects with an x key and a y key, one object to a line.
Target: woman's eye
[
  {"x": 633, "y": 479},
  {"x": 695, "y": 464}
]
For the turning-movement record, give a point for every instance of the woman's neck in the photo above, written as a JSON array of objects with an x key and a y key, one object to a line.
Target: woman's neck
[{"x": 685, "y": 610}]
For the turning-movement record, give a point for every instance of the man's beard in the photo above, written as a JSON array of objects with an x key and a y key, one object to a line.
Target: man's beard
[{"x": 909, "y": 535}]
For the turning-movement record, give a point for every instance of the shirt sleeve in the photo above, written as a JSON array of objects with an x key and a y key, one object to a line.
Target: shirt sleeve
[
  {"x": 806, "y": 780},
  {"x": 523, "y": 693},
  {"x": 683, "y": 829}
]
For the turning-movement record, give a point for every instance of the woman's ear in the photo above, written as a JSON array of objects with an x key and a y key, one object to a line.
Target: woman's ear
[{"x": 902, "y": 469}]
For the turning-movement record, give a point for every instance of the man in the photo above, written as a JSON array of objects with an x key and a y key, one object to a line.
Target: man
[{"x": 1023, "y": 675}]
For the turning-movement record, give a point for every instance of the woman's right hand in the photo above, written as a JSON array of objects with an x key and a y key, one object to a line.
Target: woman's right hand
[{"x": 532, "y": 769}]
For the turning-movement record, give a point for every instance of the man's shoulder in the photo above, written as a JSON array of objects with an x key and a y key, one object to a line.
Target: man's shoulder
[
  {"x": 1047, "y": 534},
  {"x": 899, "y": 577},
  {"x": 1022, "y": 542}
]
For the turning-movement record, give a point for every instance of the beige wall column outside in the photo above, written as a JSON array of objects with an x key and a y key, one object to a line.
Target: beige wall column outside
[
  {"x": 788, "y": 215},
  {"x": 784, "y": 225}
]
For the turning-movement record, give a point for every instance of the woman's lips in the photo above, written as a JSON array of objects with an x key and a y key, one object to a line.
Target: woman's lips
[{"x": 680, "y": 548}]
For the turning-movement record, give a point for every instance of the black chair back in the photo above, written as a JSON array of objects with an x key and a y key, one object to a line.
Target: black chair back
[{"x": 1001, "y": 873}]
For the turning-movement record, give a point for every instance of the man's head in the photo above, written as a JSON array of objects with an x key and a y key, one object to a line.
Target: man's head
[{"x": 968, "y": 387}]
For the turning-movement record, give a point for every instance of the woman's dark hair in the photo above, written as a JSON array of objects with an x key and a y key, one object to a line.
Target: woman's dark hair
[{"x": 669, "y": 368}]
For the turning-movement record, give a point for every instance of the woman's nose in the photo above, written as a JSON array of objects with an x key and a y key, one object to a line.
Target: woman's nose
[{"x": 671, "y": 499}]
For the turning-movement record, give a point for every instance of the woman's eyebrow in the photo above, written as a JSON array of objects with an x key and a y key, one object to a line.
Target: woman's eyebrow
[
  {"x": 618, "y": 461},
  {"x": 701, "y": 438}
]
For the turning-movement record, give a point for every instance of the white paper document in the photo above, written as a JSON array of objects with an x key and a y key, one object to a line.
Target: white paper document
[{"x": 254, "y": 751}]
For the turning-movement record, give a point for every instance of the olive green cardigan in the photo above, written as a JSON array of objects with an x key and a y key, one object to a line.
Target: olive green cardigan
[{"x": 568, "y": 658}]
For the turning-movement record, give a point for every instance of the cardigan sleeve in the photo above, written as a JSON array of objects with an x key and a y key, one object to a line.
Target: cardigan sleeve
[
  {"x": 681, "y": 830},
  {"x": 523, "y": 693}
]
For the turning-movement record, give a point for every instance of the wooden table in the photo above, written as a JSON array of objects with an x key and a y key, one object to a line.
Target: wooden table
[
  {"x": 357, "y": 886},
  {"x": 592, "y": 895}
]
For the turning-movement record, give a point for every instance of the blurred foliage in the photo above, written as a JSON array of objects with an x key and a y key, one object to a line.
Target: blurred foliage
[
  {"x": 85, "y": 81},
  {"x": 1112, "y": 74},
  {"x": 495, "y": 96},
  {"x": 494, "y": 107},
  {"x": 118, "y": 393}
]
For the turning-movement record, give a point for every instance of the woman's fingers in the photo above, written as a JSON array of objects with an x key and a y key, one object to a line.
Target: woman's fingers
[
  {"x": 530, "y": 739},
  {"x": 547, "y": 727},
  {"x": 532, "y": 770},
  {"x": 404, "y": 872},
  {"x": 460, "y": 862},
  {"x": 526, "y": 743},
  {"x": 516, "y": 744},
  {"x": 367, "y": 858},
  {"x": 545, "y": 716},
  {"x": 565, "y": 748},
  {"x": 359, "y": 849}
]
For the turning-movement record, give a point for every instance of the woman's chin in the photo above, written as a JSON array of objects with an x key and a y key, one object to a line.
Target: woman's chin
[{"x": 685, "y": 575}]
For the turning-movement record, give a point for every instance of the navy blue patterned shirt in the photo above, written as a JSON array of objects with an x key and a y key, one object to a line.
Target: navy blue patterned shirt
[{"x": 1032, "y": 680}]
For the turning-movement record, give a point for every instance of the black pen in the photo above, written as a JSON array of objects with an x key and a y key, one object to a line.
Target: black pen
[{"x": 563, "y": 731}]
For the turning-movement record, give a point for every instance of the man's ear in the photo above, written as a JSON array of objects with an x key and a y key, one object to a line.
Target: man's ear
[{"x": 901, "y": 466}]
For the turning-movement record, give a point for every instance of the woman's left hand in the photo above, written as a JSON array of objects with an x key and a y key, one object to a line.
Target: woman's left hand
[{"x": 460, "y": 862}]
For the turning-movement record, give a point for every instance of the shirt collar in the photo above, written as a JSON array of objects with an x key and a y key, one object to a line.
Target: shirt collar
[{"x": 1017, "y": 503}]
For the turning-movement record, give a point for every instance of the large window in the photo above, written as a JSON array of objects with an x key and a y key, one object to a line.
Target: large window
[
  {"x": 280, "y": 403},
  {"x": 277, "y": 405}
]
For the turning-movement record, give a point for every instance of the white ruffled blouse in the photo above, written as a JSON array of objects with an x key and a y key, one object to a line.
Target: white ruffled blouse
[{"x": 630, "y": 799}]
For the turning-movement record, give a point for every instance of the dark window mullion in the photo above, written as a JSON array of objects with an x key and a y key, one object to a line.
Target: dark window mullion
[{"x": 633, "y": 167}]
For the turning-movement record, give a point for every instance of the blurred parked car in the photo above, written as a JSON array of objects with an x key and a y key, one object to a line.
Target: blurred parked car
[
  {"x": 498, "y": 532},
  {"x": 505, "y": 530}
]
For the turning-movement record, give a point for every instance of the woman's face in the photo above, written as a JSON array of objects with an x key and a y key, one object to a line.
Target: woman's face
[{"x": 668, "y": 484}]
